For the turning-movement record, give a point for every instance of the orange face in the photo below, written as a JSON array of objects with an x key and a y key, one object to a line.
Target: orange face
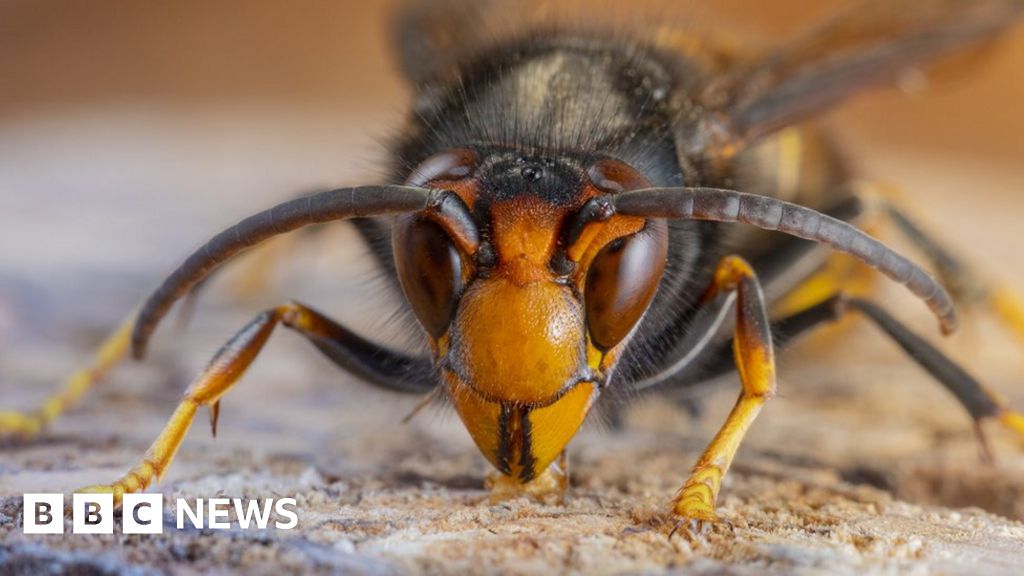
[{"x": 529, "y": 310}]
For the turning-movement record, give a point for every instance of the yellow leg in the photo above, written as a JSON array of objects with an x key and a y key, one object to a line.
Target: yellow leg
[
  {"x": 207, "y": 389},
  {"x": 27, "y": 425},
  {"x": 1012, "y": 420},
  {"x": 968, "y": 286},
  {"x": 755, "y": 359},
  {"x": 842, "y": 273},
  {"x": 980, "y": 402},
  {"x": 1008, "y": 307}
]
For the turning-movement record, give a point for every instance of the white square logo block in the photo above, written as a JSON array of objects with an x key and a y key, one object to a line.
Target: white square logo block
[
  {"x": 92, "y": 513},
  {"x": 142, "y": 514},
  {"x": 43, "y": 513}
]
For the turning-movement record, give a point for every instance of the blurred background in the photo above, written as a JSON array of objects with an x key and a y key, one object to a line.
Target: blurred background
[{"x": 130, "y": 130}]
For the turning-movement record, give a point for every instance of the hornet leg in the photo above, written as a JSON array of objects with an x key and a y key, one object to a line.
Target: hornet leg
[
  {"x": 28, "y": 425},
  {"x": 755, "y": 359},
  {"x": 979, "y": 402},
  {"x": 362, "y": 358},
  {"x": 964, "y": 281},
  {"x": 227, "y": 366}
]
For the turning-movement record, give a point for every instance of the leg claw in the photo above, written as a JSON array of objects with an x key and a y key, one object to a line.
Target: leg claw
[
  {"x": 694, "y": 518},
  {"x": 116, "y": 489},
  {"x": 694, "y": 528},
  {"x": 690, "y": 528}
]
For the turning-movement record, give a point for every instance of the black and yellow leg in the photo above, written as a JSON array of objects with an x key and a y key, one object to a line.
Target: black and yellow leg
[
  {"x": 228, "y": 365},
  {"x": 982, "y": 404},
  {"x": 979, "y": 402},
  {"x": 967, "y": 285},
  {"x": 956, "y": 275},
  {"x": 755, "y": 358},
  {"x": 354, "y": 354},
  {"x": 27, "y": 425},
  {"x": 840, "y": 273}
]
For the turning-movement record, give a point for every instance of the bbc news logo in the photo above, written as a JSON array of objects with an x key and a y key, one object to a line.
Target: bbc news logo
[{"x": 143, "y": 513}]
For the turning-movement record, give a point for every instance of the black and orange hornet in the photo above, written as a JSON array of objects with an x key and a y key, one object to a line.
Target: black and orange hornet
[{"x": 574, "y": 210}]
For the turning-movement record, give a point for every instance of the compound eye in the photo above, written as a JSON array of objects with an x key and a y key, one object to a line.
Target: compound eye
[
  {"x": 450, "y": 165},
  {"x": 621, "y": 282},
  {"x": 430, "y": 271},
  {"x": 613, "y": 176}
]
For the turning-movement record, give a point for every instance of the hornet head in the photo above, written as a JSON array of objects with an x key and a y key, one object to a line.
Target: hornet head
[{"x": 529, "y": 287}]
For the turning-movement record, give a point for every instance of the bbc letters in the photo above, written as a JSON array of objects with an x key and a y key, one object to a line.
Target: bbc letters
[{"x": 143, "y": 513}]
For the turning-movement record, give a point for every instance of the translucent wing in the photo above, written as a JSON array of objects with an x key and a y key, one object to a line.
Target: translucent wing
[
  {"x": 869, "y": 45},
  {"x": 433, "y": 36}
]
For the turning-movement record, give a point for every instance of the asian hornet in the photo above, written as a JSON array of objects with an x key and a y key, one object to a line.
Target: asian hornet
[{"x": 573, "y": 209}]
